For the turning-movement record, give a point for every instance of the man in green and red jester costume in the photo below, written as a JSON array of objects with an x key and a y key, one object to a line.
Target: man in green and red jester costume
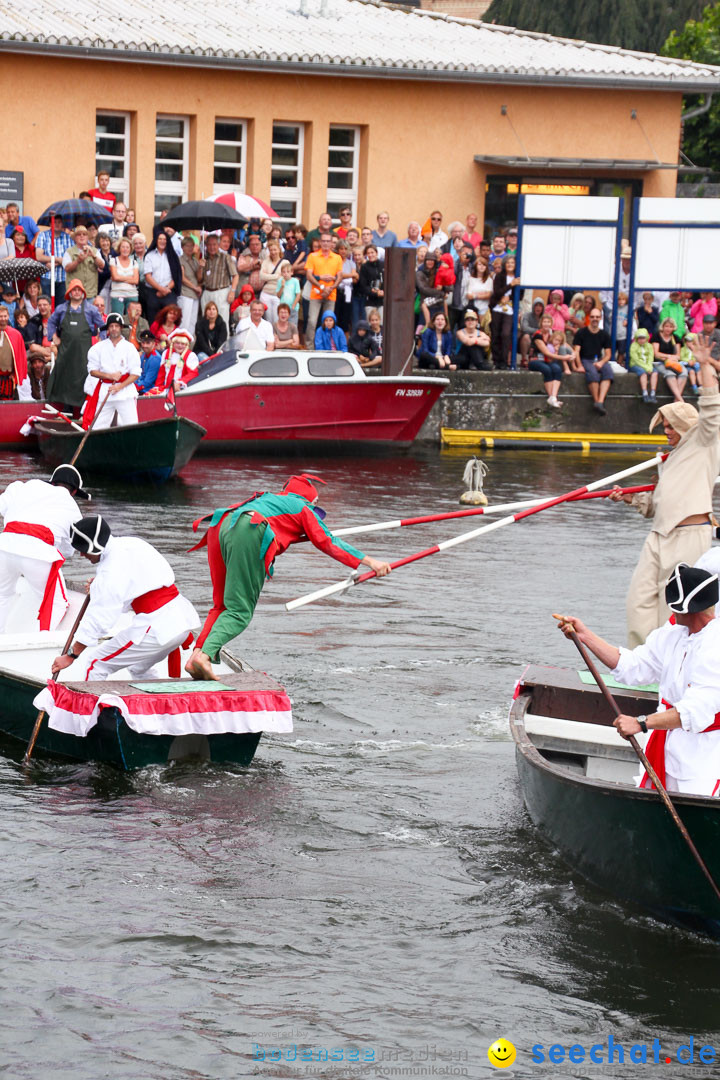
[{"x": 243, "y": 542}]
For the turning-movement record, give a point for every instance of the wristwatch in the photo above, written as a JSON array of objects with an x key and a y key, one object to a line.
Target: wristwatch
[{"x": 642, "y": 722}]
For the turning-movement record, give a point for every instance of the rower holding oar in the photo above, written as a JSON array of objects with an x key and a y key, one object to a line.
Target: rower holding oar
[
  {"x": 35, "y": 542},
  {"x": 243, "y": 542},
  {"x": 130, "y": 576},
  {"x": 682, "y": 657},
  {"x": 681, "y": 505}
]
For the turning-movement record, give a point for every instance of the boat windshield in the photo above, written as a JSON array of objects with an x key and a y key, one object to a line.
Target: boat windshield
[
  {"x": 277, "y": 366},
  {"x": 330, "y": 365}
]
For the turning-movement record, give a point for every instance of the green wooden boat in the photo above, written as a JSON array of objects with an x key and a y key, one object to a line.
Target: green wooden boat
[
  {"x": 25, "y": 661},
  {"x": 153, "y": 450},
  {"x": 576, "y": 776}
]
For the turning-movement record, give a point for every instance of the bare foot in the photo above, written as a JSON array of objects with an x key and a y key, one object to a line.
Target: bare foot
[{"x": 199, "y": 667}]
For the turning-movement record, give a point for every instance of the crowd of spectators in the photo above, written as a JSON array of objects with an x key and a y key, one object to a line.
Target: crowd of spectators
[{"x": 267, "y": 287}]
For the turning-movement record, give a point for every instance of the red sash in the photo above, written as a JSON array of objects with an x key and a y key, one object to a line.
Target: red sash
[
  {"x": 41, "y": 532},
  {"x": 155, "y": 599},
  {"x": 655, "y": 749}
]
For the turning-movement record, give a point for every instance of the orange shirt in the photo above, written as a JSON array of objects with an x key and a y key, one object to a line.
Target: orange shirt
[{"x": 322, "y": 265}]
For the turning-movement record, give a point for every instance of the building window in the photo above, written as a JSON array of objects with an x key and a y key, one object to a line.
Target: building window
[
  {"x": 171, "y": 161},
  {"x": 342, "y": 180},
  {"x": 287, "y": 170},
  {"x": 230, "y": 155},
  {"x": 112, "y": 150}
]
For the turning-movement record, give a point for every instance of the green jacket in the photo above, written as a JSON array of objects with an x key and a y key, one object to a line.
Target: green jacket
[{"x": 676, "y": 312}]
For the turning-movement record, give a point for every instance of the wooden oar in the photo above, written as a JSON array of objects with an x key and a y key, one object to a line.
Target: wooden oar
[
  {"x": 497, "y": 508},
  {"x": 66, "y": 646},
  {"x": 645, "y": 763},
  {"x": 76, "y": 455},
  {"x": 463, "y": 538}
]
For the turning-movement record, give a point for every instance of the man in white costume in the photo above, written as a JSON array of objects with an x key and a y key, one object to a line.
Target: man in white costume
[
  {"x": 35, "y": 542},
  {"x": 113, "y": 364},
  {"x": 131, "y": 576},
  {"x": 684, "y": 747},
  {"x": 681, "y": 504}
]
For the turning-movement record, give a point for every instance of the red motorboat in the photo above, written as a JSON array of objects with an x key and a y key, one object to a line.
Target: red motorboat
[{"x": 282, "y": 397}]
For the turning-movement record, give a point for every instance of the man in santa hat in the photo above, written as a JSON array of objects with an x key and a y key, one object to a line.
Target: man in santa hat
[
  {"x": 35, "y": 542},
  {"x": 681, "y": 656},
  {"x": 130, "y": 575},
  {"x": 179, "y": 364},
  {"x": 13, "y": 358},
  {"x": 243, "y": 542}
]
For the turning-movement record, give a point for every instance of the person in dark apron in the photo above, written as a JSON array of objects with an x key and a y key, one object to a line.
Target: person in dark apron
[{"x": 75, "y": 323}]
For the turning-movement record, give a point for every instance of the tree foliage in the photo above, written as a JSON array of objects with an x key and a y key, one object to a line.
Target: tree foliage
[
  {"x": 630, "y": 24},
  {"x": 700, "y": 41}
]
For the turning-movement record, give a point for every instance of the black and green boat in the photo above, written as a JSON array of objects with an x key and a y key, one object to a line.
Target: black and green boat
[
  {"x": 244, "y": 698},
  {"x": 152, "y": 450},
  {"x": 576, "y": 776}
]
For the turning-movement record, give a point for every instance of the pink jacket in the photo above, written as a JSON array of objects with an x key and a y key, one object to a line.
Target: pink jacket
[
  {"x": 700, "y": 308},
  {"x": 560, "y": 315}
]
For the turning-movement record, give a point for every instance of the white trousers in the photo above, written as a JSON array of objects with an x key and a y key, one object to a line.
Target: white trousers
[
  {"x": 219, "y": 297},
  {"x": 189, "y": 306},
  {"x": 696, "y": 786},
  {"x": 35, "y": 571},
  {"x": 645, "y": 605},
  {"x": 126, "y": 410},
  {"x": 136, "y": 648},
  {"x": 272, "y": 303}
]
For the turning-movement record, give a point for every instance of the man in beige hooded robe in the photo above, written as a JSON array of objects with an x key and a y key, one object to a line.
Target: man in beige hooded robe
[{"x": 681, "y": 504}]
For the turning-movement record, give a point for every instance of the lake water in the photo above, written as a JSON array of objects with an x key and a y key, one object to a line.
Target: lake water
[{"x": 372, "y": 881}]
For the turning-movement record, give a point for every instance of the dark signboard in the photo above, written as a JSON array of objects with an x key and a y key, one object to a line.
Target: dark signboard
[{"x": 11, "y": 188}]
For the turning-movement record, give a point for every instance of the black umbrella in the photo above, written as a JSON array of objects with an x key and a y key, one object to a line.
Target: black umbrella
[
  {"x": 21, "y": 269},
  {"x": 203, "y": 214},
  {"x": 71, "y": 209}
]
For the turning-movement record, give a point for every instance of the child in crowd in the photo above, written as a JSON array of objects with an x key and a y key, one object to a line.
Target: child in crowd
[
  {"x": 561, "y": 350},
  {"x": 691, "y": 364},
  {"x": 642, "y": 356},
  {"x": 375, "y": 322},
  {"x": 621, "y": 328},
  {"x": 240, "y": 307},
  {"x": 150, "y": 360},
  {"x": 21, "y": 325},
  {"x": 288, "y": 291}
]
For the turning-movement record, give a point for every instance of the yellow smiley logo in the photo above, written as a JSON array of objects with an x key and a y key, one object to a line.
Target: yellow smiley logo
[{"x": 501, "y": 1054}]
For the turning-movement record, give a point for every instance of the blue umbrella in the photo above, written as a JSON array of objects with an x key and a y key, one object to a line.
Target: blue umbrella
[{"x": 71, "y": 209}]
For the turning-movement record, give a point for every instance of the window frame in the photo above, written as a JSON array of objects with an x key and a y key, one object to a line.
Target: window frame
[
  {"x": 172, "y": 187},
  {"x": 273, "y": 356},
  {"x": 344, "y": 196},
  {"x": 122, "y": 190},
  {"x": 337, "y": 375},
  {"x": 289, "y": 194},
  {"x": 219, "y": 188}
]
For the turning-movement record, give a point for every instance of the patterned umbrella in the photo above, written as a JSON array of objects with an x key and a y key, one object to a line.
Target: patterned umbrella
[
  {"x": 20, "y": 269},
  {"x": 247, "y": 205},
  {"x": 71, "y": 209}
]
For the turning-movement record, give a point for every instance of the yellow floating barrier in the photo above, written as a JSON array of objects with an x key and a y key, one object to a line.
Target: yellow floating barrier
[{"x": 455, "y": 439}]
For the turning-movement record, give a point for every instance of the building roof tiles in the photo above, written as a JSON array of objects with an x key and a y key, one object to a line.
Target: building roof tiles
[{"x": 346, "y": 36}]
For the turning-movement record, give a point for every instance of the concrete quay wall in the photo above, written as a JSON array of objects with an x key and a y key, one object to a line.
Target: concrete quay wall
[{"x": 516, "y": 401}]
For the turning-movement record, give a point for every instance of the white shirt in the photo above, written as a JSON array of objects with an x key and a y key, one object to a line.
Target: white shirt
[
  {"x": 107, "y": 358},
  {"x": 437, "y": 240},
  {"x": 686, "y": 668},
  {"x": 157, "y": 266},
  {"x": 256, "y": 337},
  {"x": 112, "y": 229},
  {"x": 130, "y": 567},
  {"x": 38, "y": 503}
]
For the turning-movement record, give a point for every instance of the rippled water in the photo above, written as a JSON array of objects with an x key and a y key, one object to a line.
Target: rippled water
[{"x": 371, "y": 880}]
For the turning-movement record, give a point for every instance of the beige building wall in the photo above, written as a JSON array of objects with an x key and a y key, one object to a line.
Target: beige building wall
[{"x": 418, "y": 138}]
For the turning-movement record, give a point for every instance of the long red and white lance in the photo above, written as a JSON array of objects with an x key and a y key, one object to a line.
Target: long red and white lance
[
  {"x": 463, "y": 538},
  {"x": 497, "y": 508}
]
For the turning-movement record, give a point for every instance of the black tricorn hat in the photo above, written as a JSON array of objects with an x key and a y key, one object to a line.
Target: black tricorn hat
[
  {"x": 90, "y": 535},
  {"x": 690, "y": 589},
  {"x": 68, "y": 474}
]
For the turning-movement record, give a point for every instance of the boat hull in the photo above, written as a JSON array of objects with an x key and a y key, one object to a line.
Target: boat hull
[
  {"x": 619, "y": 837},
  {"x": 110, "y": 741},
  {"x": 155, "y": 450},
  {"x": 372, "y": 411}
]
